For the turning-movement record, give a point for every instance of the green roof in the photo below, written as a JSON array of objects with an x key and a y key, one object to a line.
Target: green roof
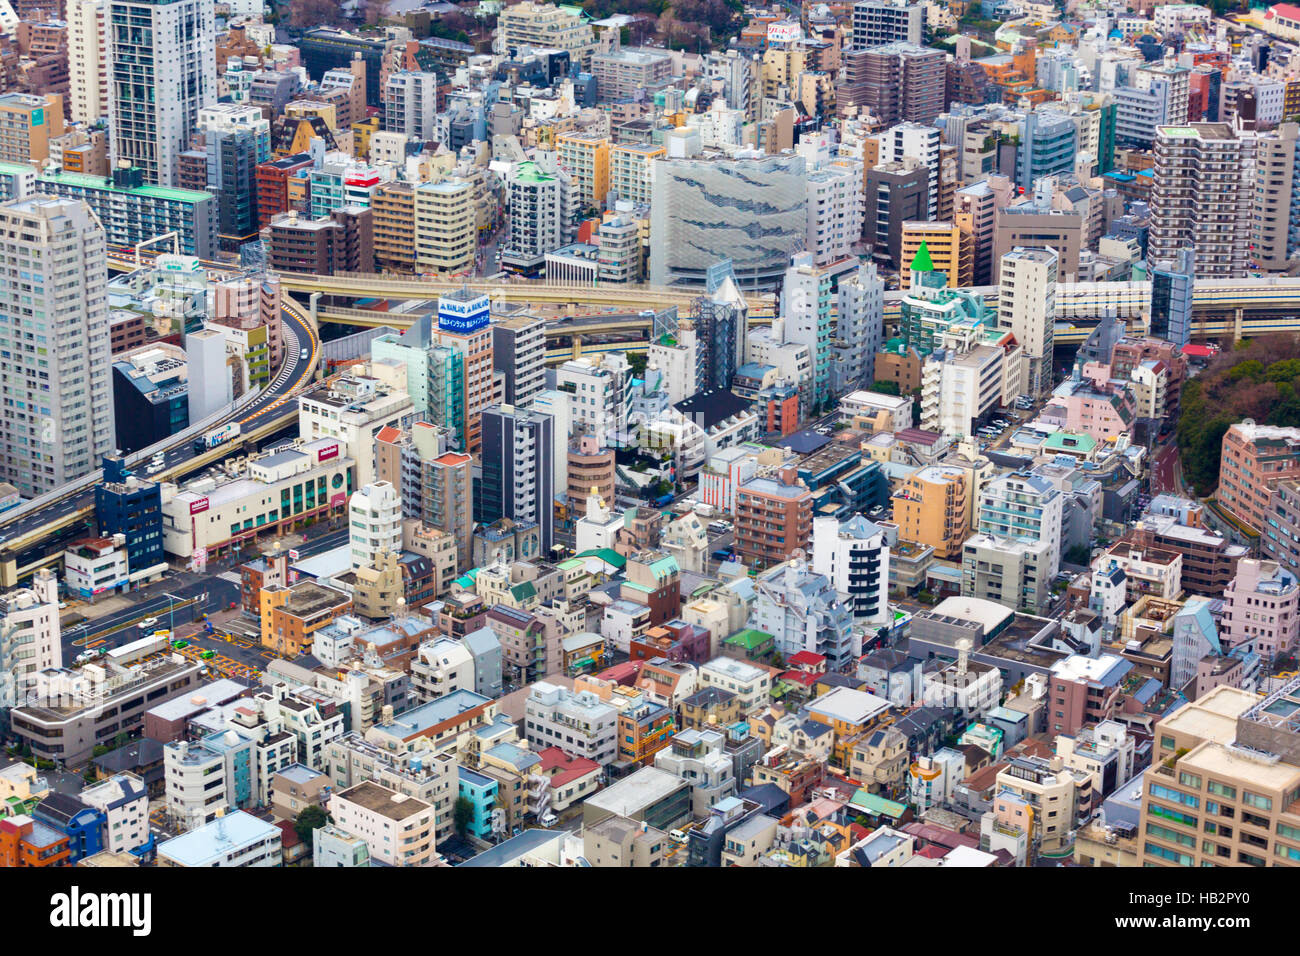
[
  {"x": 749, "y": 638},
  {"x": 100, "y": 184},
  {"x": 874, "y": 803},
  {"x": 530, "y": 172},
  {"x": 1074, "y": 441},
  {"x": 921, "y": 262},
  {"x": 608, "y": 555},
  {"x": 466, "y": 580},
  {"x": 523, "y": 591}
]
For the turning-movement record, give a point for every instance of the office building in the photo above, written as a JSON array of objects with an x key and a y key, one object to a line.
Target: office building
[
  {"x": 709, "y": 204},
  {"x": 58, "y": 373},
  {"x": 1172, "y": 287},
  {"x": 28, "y": 123},
  {"x": 445, "y": 233},
  {"x": 545, "y": 26},
  {"x": 435, "y": 482},
  {"x": 161, "y": 72},
  {"x": 132, "y": 507},
  {"x": 30, "y": 637},
  {"x": 150, "y": 398},
  {"x": 1261, "y": 609}
]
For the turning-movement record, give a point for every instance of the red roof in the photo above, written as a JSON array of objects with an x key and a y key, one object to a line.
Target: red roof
[
  {"x": 567, "y": 767},
  {"x": 808, "y": 658},
  {"x": 388, "y": 434},
  {"x": 1203, "y": 351},
  {"x": 800, "y": 677},
  {"x": 288, "y": 835},
  {"x": 933, "y": 852},
  {"x": 1288, "y": 10}
]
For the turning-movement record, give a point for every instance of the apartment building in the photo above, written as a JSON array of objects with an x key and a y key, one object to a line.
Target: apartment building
[
  {"x": 235, "y": 839},
  {"x": 1254, "y": 458},
  {"x": 773, "y": 518},
  {"x": 578, "y": 723},
  {"x": 398, "y": 829},
  {"x": 931, "y": 509},
  {"x": 1261, "y": 609},
  {"x": 445, "y": 228},
  {"x": 1203, "y": 197}
]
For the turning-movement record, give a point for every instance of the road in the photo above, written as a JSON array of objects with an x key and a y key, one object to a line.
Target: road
[{"x": 275, "y": 401}]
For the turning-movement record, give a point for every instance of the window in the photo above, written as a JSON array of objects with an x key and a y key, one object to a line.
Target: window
[
  {"x": 1222, "y": 790},
  {"x": 1256, "y": 801},
  {"x": 1189, "y": 780}
]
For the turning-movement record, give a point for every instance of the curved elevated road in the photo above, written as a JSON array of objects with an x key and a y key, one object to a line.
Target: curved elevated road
[{"x": 60, "y": 519}]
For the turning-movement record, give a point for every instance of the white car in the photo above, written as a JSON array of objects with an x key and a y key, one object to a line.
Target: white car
[
  {"x": 677, "y": 836},
  {"x": 148, "y": 622},
  {"x": 306, "y": 352}
]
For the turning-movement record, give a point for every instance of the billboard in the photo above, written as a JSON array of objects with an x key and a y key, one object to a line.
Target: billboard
[
  {"x": 197, "y": 507},
  {"x": 328, "y": 452},
  {"x": 787, "y": 31}
]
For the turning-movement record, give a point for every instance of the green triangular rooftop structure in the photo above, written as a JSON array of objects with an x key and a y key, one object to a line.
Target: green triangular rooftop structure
[{"x": 922, "y": 262}]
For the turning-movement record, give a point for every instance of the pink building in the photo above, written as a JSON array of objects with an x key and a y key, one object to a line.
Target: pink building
[
  {"x": 248, "y": 302},
  {"x": 1103, "y": 411},
  {"x": 1261, "y": 607}
]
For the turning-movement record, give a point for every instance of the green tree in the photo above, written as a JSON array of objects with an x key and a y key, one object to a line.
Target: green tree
[
  {"x": 884, "y": 387},
  {"x": 636, "y": 361},
  {"x": 311, "y": 818},
  {"x": 462, "y": 813}
]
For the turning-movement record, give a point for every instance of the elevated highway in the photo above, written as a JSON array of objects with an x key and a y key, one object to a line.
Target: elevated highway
[{"x": 32, "y": 535}]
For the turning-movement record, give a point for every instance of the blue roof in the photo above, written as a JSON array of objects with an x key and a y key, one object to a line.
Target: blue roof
[
  {"x": 213, "y": 841},
  {"x": 421, "y": 718},
  {"x": 514, "y": 848},
  {"x": 1147, "y": 691}
]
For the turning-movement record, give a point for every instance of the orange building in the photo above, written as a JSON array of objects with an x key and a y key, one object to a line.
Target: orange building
[
  {"x": 930, "y": 509},
  {"x": 28, "y": 842},
  {"x": 291, "y": 616},
  {"x": 644, "y": 729}
]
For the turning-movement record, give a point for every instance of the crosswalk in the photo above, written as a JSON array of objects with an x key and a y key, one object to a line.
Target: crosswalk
[{"x": 231, "y": 576}]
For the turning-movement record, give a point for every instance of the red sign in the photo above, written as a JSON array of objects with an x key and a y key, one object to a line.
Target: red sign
[
  {"x": 328, "y": 452},
  {"x": 198, "y": 506}
]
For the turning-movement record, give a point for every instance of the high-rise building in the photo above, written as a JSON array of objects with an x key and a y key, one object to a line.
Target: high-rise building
[
  {"x": 131, "y": 212},
  {"x": 1049, "y": 141},
  {"x": 921, "y": 143},
  {"x": 854, "y": 555},
  {"x": 27, "y": 125},
  {"x": 1261, "y": 609},
  {"x": 897, "y": 82},
  {"x": 876, "y": 22},
  {"x": 445, "y": 234},
  {"x": 1203, "y": 196},
  {"x": 544, "y": 26},
  {"x": 859, "y": 328},
  {"x": 57, "y": 374},
  {"x": 519, "y": 354},
  {"x": 30, "y": 639},
  {"x": 87, "y": 59},
  {"x": 374, "y": 524},
  {"x": 751, "y": 209},
  {"x": 587, "y": 160},
  {"x": 436, "y": 483},
  {"x": 931, "y": 509},
  {"x": 1253, "y": 460},
  {"x": 1276, "y": 238},
  {"x": 518, "y": 472},
  {"x": 411, "y": 104},
  {"x": 1024, "y": 507},
  {"x": 1172, "y": 286},
  {"x": 1229, "y": 750},
  {"x": 1027, "y": 308},
  {"x": 773, "y": 518},
  {"x": 938, "y": 247},
  {"x": 236, "y": 139},
  {"x": 807, "y": 296},
  {"x": 536, "y": 217},
  {"x": 162, "y": 71}
]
